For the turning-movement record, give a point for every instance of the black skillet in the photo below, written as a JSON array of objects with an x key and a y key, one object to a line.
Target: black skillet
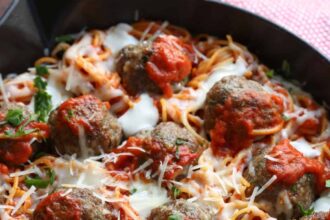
[{"x": 22, "y": 41}]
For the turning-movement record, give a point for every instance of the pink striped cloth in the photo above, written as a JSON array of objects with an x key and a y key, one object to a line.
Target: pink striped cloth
[{"x": 308, "y": 19}]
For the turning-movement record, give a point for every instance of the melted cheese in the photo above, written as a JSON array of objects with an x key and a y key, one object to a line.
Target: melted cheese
[
  {"x": 322, "y": 204},
  {"x": 142, "y": 116},
  {"x": 305, "y": 148},
  {"x": 199, "y": 96},
  {"x": 56, "y": 89},
  {"x": 118, "y": 37},
  {"x": 147, "y": 197}
]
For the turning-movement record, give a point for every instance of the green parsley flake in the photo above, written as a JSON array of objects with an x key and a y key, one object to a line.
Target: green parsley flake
[
  {"x": 14, "y": 117},
  {"x": 174, "y": 217},
  {"x": 306, "y": 212},
  {"x": 270, "y": 73},
  {"x": 176, "y": 192},
  {"x": 41, "y": 183},
  {"x": 42, "y": 104},
  {"x": 42, "y": 70}
]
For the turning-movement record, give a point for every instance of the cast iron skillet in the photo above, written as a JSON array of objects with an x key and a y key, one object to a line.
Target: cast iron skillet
[{"x": 269, "y": 42}]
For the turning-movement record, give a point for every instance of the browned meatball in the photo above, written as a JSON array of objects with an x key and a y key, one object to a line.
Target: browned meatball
[
  {"x": 317, "y": 216},
  {"x": 79, "y": 204},
  {"x": 235, "y": 108},
  {"x": 181, "y": 209},
  {"x": 84, "y": 120},
  {"x": 278, "y": 197},
  {"x": 130, "y": 65},
  {"x": 167, "y": 142}
]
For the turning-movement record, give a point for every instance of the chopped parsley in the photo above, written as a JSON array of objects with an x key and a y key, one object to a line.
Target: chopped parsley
[
  {"x": 294, "y": 188},
  {"x": 41, "y": 183},
  {"x": 174, "y": 217},
  {"x": 14, "y": 117},
  {"x": 180, "y": 141},
  {"x": 64, "y": 38},
  {"x": 327, "y": 183},
  {"x": 270, "y": 73},
  {"x": 42, "y": 104},
  {"x": 176, "y": 192},
  {"x": 42, "y": 70},
  {"x": 306, "y": 212},
  {"x": 177, "y": 152},
  {"x": 21, "y": 131},
  {"x": 133, "y": 190}
]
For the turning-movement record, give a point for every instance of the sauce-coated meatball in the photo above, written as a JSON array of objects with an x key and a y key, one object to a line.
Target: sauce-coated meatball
[{"x": 84, "y": 119}]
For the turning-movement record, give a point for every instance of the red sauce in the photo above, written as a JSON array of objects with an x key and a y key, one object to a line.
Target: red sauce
[
  {"x": 3, "y": 169},
  {"x": 177, "y": 158},
  {"x": 76, "y": 112},
  {"x": 56, "y": 207},
  {"x": 169, "y": 62},
  {"x": 292, "y": 165},
  {"x": 16, "y": 149},
  {"x": 235, "y": 122}
]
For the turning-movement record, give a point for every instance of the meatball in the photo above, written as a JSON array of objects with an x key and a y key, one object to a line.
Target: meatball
[
  {"x": 18, "y": 132},
  {"x": 181, "y": 209},
  {"x": 278, "y": 198},
  {"x": 154, "y": 66},
  {"x": 317, "y": 216},
  {"x": 79, "y": 204},
  {"x": 83, "y": 122},
  {"x": 236, "y": 109},
  {"x": 167, "y": 142},
  {"x": 130, "y": 65}
]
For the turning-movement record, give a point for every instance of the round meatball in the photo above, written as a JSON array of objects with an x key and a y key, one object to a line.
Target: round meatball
[
  {"x": 181, "y": 209},
  {"x": 236, "y": 109},
  {"x": 81, "y": 123},
  {"x": 79, "y": 204},
  {"x": 154, "y": 66},
  {"x": 167, "y": 142},
  {"x": 130, "y": 65},
  {"x": 279, "y": 199},
  {"x": 317, "y": 216},
  {"x": 18, "y": 132}
]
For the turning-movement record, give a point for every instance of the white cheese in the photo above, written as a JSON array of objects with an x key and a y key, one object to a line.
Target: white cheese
[
  {"x": 305, "y": 148},
  {"x": 142, "y": 116},
  {"x": 322, "y": 204},
  {"x": 147, "y": 197}
]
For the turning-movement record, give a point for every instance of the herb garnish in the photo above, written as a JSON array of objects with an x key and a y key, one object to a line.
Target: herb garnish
[
  {"x": 270, "y": 73},
  {"x": 176, "y": 192},
  {"x": 14, "y": 117},
  {"x": 42, "y": 104},
  {"x": 133, "y": 190},
  {"x": 42, "y": 70},
  {"x": 41, "y": 183},
  {"x": 306, "y": 212},
  {"x": 174, "y": 217},
  {"x": 180, "y": 141}
]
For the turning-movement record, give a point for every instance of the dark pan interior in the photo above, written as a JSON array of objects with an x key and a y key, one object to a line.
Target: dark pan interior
[{"x": 269, "y": 42}]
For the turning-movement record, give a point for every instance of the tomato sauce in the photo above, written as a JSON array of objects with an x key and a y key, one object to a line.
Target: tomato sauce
[
  {"x": 237, "y": 119},
  {"x": 291, "y": 165},
  {"x": 169, "y": 62},
  {"x": 76, "y": 112},
  {"x": 56, "y": 206},
  {"x": 15, "y": 147}
]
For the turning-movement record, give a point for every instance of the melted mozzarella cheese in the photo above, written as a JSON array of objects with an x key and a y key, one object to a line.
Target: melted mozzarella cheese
[
  {"x": 142, "y": 116},
  {"x": 305, "y": 148},
  {"x": 56, "y": 89},
  {"x": 147, "y": 197},
  {"x": 87, "y": 174},
  {"x": 118, "y": 37},
  {"x": 199, "y": 96},
  {"x": 322, "y": 204}
]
